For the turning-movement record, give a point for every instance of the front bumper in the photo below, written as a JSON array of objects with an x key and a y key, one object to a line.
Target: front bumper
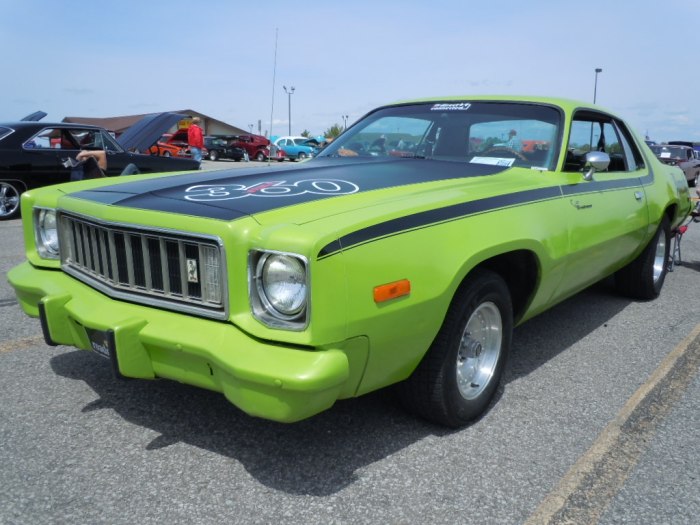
[{"x": 263, "y": 379}]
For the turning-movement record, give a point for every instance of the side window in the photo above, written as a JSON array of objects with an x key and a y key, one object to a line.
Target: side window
[
  {"x": 597, "y": 132},
  {"x": 633, "y": 157},
  {"x": 51, "y": 138}
]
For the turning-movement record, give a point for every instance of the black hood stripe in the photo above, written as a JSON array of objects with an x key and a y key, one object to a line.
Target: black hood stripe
[
  {"x": 457, "y": 211},
  {"x": 231, "y": 194}
]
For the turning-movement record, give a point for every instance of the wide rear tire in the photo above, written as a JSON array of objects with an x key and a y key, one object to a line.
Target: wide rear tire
[
  {"x": 460, "y": 374},
  {"x": 644, "y": 277}
]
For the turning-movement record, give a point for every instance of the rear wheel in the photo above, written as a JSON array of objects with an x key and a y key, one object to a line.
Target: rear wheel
[
  {"x": 459, "y": 375},
  {"x": 260, "y": 156},
  {"x": 9, "y": 199},
  {"x": 166, "y": 153},
  {"x": 644, "y": 277}
]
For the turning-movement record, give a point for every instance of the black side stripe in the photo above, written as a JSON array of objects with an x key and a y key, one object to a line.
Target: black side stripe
[
  {"x": 457, "y": 211},
  {"x": 438, "y": 215}
]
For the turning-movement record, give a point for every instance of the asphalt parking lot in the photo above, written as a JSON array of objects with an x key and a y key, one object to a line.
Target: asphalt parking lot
[{"x": 596, "y": 422}]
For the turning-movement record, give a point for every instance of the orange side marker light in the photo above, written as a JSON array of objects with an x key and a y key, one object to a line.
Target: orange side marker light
[{"x": 389, "y": 291}]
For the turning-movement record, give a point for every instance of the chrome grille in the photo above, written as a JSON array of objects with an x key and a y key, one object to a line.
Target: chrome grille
[{"x": 154, "y": 267}]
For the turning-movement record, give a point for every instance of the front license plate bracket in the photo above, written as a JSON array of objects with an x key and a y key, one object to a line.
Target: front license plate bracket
[{"x": 103, "y": 343}]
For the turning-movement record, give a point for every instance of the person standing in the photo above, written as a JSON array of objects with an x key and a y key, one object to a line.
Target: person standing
[{"x": 195, "y": 139}]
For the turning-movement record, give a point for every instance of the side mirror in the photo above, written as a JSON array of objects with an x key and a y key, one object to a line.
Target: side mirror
[{"x": 595, "y": 161}]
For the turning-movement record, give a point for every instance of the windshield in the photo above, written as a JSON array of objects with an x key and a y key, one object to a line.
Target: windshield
[
  {"x": 669, "y": 152},
  {"x": 496, "y": 133}
]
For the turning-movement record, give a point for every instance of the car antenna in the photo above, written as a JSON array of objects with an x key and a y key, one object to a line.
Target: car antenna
[{"x": 272, "y": 105}]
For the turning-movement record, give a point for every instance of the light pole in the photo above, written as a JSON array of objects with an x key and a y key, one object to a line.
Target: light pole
[
  {"x": 289, "y": 93},
  {"x": 595, "y": 86},
  {"x": 345, "y": 121},
  {"x": 250, "y": 126}
]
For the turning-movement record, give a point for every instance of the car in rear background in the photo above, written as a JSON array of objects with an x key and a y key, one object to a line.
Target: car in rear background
[
  {"x": 685, "y": 157},
  {"x": 174, "y": 145},
  {"x": 169, "y": 149},
  {"x": 258, "y": 147},
  {"x": 221, "y": 148},
  {"x": 296, "y": 148},
  {"x": 32, "y": 154}
]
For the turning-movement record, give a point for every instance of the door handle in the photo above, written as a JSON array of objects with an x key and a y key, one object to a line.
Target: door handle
[{"x": 638, "y": 195}]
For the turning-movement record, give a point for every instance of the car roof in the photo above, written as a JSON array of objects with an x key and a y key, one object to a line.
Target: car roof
[{"x": 568, "y": 105}]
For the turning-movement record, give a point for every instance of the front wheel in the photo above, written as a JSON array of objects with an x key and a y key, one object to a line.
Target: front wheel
[
  {"x": 260, "y": 156},
  {"x": 644, "y": 277},
  {"x": 213, "y": 155},
  {"x": 9, "y": 200},
  {"x": 302, "y": 155},
  {"x": 459, "y": 375}
]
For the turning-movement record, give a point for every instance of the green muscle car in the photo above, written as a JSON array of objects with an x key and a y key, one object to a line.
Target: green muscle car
[{"x": 405, "y": 253}]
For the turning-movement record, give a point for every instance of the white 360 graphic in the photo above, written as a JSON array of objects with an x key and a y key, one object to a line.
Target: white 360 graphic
[{"x": 277, "y": 188}]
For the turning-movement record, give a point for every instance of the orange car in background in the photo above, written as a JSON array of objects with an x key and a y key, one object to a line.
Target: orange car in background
[{"x": 173, "y": 145}]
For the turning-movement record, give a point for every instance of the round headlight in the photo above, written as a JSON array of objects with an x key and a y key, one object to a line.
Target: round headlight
[
  {"x": 48, "y": 233},
  {"x": 282, "y": 282}
]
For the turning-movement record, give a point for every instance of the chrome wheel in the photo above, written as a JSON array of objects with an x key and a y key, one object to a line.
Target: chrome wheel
[
  {"x": 479, "y": 350},
  {"x": 9, "y": 200},
  {"x": 660, "y": 259},
  {"x": 459, "y": 376}
]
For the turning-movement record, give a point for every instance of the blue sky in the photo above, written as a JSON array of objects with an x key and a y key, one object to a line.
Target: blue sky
[{"x": 103, "y": 59}]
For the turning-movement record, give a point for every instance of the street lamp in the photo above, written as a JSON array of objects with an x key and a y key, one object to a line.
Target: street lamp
[
  {"x": 250, "y": 127},
  {"x": 345, "y": 121},
  {"x": 595, "y": 86},
  {"x": 289, "y": 93}
]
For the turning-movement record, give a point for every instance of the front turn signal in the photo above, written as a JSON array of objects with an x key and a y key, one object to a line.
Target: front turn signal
[{"x": 386, "y": 292}]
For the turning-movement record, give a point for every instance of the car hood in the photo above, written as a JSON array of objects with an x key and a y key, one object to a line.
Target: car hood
[
  {"x": 147, "y": 131},
  {"x": 232, "y": 194},
  {"x": 34, "y": 117}
]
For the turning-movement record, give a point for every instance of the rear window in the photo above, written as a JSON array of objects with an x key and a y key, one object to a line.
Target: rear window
[{"x": 4, "y": 132}]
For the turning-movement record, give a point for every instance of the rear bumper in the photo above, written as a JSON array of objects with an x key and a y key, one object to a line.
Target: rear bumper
[{"x": 263, "y": 379}]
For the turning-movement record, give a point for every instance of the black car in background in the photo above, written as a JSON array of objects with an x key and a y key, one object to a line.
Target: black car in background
[
  {"x": 220, "y": 148},
  {"x": 33, "y": 154}
]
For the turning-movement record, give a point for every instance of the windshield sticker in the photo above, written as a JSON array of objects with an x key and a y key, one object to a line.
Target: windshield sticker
[
  {"x": 493, "y": 161},
  {"x": 278, "y": 188},
  {"x": 458, "y": 106}
]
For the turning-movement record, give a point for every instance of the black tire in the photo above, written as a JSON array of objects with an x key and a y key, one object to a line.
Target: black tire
[
  {"x": 166, "y": 154},
  {"x": 260, "y": 156},
  {"x": 460, "y": 374},
  {"x": 301, "y": 155},
  {"x": 696, "y": 181},
  {"x": 10, "y": 192},
  {"x": 213, "y": 154},
  {"x": 644, "y": 277}
]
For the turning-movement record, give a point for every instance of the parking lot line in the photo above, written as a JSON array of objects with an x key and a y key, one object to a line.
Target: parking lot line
[{"x": 589, "y": 486}]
